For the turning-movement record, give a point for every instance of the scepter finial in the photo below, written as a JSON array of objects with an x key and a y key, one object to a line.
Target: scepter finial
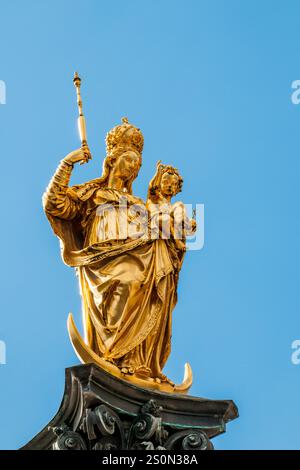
[{"x": 76, "y": 79}]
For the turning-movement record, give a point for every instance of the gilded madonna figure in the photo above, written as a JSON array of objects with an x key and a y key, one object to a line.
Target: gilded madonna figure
[{"x": 128, "y": 280}]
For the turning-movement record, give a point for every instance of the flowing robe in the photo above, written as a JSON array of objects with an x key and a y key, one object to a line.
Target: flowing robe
[{"x": 128, "y": 285}]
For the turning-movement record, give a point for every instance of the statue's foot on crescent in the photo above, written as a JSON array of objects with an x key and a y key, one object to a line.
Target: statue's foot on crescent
[
  {"x": 161, "y": 378},
  {"x": 163, "y": 384},
  {"x": 143, "y": 372},
  {"x": 126, "y": 370}
]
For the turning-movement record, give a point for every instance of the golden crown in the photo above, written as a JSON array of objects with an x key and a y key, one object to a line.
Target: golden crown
[{"x": 124, "y": 135}]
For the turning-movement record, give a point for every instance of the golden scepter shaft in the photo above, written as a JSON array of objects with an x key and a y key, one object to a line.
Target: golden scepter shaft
[{"x": 81, "y": 119}]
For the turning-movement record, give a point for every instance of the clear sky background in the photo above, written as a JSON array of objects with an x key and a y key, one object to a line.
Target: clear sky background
[{"x": 209, "y": 84}]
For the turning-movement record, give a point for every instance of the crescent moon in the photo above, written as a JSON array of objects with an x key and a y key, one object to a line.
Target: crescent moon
[{"x": 86, "y": 355}]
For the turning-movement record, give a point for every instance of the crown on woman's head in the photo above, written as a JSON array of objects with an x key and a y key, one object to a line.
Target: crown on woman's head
[{"x": 124, "y": 135}]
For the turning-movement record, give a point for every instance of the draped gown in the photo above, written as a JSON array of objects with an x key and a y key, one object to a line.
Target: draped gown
[{"x": 128, "y": 284}]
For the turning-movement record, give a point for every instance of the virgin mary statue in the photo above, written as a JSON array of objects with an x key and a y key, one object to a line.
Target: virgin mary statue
[{"x": 128, "y": 281}]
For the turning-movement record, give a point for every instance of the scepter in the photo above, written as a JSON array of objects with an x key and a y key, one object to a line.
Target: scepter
[{"x": 81, "y": 120}]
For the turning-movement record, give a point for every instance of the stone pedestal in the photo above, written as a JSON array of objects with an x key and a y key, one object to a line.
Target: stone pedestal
[{"x": 102, "y": 412}]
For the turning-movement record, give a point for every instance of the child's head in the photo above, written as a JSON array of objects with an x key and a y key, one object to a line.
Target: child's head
[{"x": 168, "y": 182}]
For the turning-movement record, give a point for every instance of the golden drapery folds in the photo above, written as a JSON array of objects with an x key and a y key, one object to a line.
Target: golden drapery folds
[{"x": 128, "y": 285}]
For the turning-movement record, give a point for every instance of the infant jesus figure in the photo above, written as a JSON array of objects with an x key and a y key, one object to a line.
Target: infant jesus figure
[{"x": 169, "y": 221}]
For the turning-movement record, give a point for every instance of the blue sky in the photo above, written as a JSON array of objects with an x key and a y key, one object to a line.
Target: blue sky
[{"x": 209, "y": 83}]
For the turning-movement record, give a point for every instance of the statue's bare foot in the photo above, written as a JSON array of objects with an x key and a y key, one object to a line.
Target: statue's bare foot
[
  {"x": 127, "y": 370},
  {"x": 163, "y": 378},
  {"x": 143, "y": 371}
]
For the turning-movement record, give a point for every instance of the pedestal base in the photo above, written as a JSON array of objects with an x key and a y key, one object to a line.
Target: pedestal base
[{"x": 102, "y": 412}]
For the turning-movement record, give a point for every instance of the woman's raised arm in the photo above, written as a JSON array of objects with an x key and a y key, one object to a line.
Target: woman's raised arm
[{"x": 56, "y": 200}]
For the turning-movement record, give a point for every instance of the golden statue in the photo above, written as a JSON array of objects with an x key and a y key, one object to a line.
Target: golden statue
[{"x": 127, "y": 263}]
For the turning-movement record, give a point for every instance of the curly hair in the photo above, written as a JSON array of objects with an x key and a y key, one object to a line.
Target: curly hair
[{"x": 156, "y": 180}]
